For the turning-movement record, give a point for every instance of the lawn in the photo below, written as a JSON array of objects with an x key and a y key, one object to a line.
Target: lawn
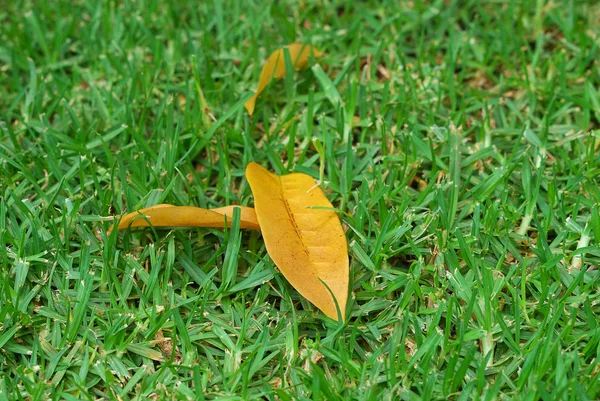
[{"x": 459, "y": 142}]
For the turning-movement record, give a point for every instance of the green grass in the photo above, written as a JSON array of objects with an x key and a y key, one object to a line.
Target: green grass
[{"x": 459, "y": 141}]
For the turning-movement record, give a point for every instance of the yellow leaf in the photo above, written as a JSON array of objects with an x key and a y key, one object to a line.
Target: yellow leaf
[
  {"x": 303, "y": 235},
  {"x": 188, "y": 216},
  {"x": 275, "y": 67}
]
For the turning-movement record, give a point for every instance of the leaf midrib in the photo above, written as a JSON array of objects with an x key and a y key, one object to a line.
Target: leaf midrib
[{"x": 292, "y": 219}]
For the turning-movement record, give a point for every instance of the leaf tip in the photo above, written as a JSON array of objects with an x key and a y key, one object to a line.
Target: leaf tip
[
  {"x": 249, "y": 105},
  {"x": 253, "y": 168}
]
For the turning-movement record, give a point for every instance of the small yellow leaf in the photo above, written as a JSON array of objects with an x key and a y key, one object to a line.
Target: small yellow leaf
[
  {"x": 303, "y": 235},
  {"x": 275, "y": 67},
  {"x": 188, "y": 216}
]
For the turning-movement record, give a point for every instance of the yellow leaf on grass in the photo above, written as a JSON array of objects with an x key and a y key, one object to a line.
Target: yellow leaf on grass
[
  {"x": 275, "y": 67},
  {"x": 303, "y": 235},
  {"x": 188, "y": 216}
]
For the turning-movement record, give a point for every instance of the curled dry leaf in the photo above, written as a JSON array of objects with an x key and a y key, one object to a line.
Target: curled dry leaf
[
  {"x": 188, "y": 216},
  {"x": 303, "y": 235},
  {"x": 275, "y": 67}
]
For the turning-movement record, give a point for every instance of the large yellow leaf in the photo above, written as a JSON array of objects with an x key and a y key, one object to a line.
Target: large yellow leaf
[
  {"x": 303, "y": 235},
  {"x": 188, "y": 216},
  {"x": 275, "y": 67}
]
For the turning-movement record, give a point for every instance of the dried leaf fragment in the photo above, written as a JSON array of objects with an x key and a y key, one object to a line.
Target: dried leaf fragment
[
  {"x": 275, "y": 67},
  {"x": 187, "y": 216},
  {"x": 303, "y": 235}
]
